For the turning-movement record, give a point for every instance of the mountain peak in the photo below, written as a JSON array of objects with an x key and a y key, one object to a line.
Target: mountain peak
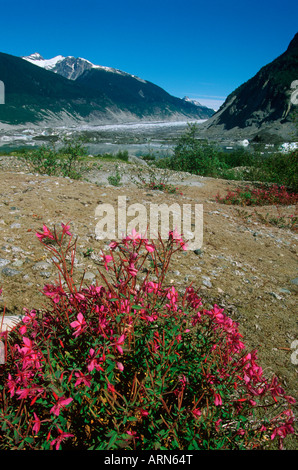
[
  {"x": 189, "y": 100},
  {"x": 48, "y": 64},
  {"x": 71, "y": 67},
  {"x": 35, "y": 56}
]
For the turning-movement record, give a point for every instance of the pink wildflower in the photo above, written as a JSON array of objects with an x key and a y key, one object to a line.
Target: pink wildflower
[
  {"x": 119, "y": 343},
  {"x": 132, "y": 269},
  {"x": 29, "y": 316},
  {"x": 217, "y": 423},
  {"x": 36, "y": 426},
  {"x": 174, "y": 235},
  {"x": 54, "y": 292},
  {"x": 120, "y": 366},
  {"x": 62, "y": 436},
  {"x": 79, "y": 325},
  {"x": 61, "y": 403},
  {"x": 196, "y": 412},
  {"x": 107, "y": 259},
  {"x": 81, "y": 378},
  {"x": 149, "y": 247},
  {"x": 217, "y": 400},
  {"x": 135, "y": 236},
  {"x": 282, "y": 431},
  {"x": 45, "y": 234},
  {"x": 65, "y": 229},
  {"x": 23, "y": 393},
  {"x": 23, "y": 329},
  {"x": 79, "y": 296},
  {"x": 11, "y": 385},
  {"x": 275, "y": 388},
  {"x": 133, "y": 434},
  {"x": 94, "y": 362},
  {"x": 290, "y": 399},
  {"x": 111, "y": 388},
  {"x": 113, "y": 245},
  {"x": 152, "y": 287}
]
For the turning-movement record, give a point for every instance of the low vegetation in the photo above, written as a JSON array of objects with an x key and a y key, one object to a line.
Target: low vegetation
[
  {"x": 199, "y": 157},
  {"x": 67, "y": 161},
  {"x": 151, "y": 179}
]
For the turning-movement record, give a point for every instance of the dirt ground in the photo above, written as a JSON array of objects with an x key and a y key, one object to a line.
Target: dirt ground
[{"x": 245, "y": 266}]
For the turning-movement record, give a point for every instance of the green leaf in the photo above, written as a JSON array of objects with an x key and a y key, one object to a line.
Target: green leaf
[{"x": 113, "y": 439}]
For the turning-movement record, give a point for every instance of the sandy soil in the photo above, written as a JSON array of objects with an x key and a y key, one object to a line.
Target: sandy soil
[{"x": 246, "y": 266}]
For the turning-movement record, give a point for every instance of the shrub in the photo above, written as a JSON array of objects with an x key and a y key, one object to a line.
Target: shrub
[
  {"x": 239, "y": 157},
  {"x": 122, "y": 155},
  {"x": 64, "y": 162},
  {"x": 132, "y": 363},
  {"x": 115, "y": 179},
  {"x": 154, "y": 180},
  {"x": 195, "y": 156},
  {"x": 281, "y": 168},
  {"x": 287, "y": 221},
  {"x": 259, "y": 196}
]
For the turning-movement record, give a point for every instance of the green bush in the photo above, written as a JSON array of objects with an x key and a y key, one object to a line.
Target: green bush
[
  {"x": 154, "y": 180},
  {"x": 122, "y": 155},
  {"x": 237, "y": 158},
  {"x": 281, "y": 168},
  {"x": 63, "y": 162},
  {"x": 194, "y": 155},
  {"x": 115, "y": 179}
]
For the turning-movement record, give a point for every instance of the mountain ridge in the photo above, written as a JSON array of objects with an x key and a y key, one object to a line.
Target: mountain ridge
[
  {"x": 39, "y": 96},
  {"x": 60, "y": 64}
]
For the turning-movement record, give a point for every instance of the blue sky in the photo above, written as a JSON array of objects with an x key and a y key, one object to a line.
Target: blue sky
[{"x": 202, "y": 49}]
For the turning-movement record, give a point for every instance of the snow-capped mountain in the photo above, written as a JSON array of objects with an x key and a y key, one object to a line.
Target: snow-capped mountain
[
  {"x": 189, "y": 100},
  {"x": 71, "y": 67},
  {"x": 80, "y": 91},
  {"x": 68, "y": 67}
]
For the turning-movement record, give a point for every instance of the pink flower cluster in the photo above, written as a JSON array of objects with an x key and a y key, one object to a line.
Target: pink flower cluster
[
  {"x": 109, "y": 314},
  {"x": 259, "y": 196}
]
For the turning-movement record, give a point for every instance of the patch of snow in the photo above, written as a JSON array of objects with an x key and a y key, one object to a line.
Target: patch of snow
[
  {"x": 48, "y": 64},
  {"x": 195, "y": 102}
]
